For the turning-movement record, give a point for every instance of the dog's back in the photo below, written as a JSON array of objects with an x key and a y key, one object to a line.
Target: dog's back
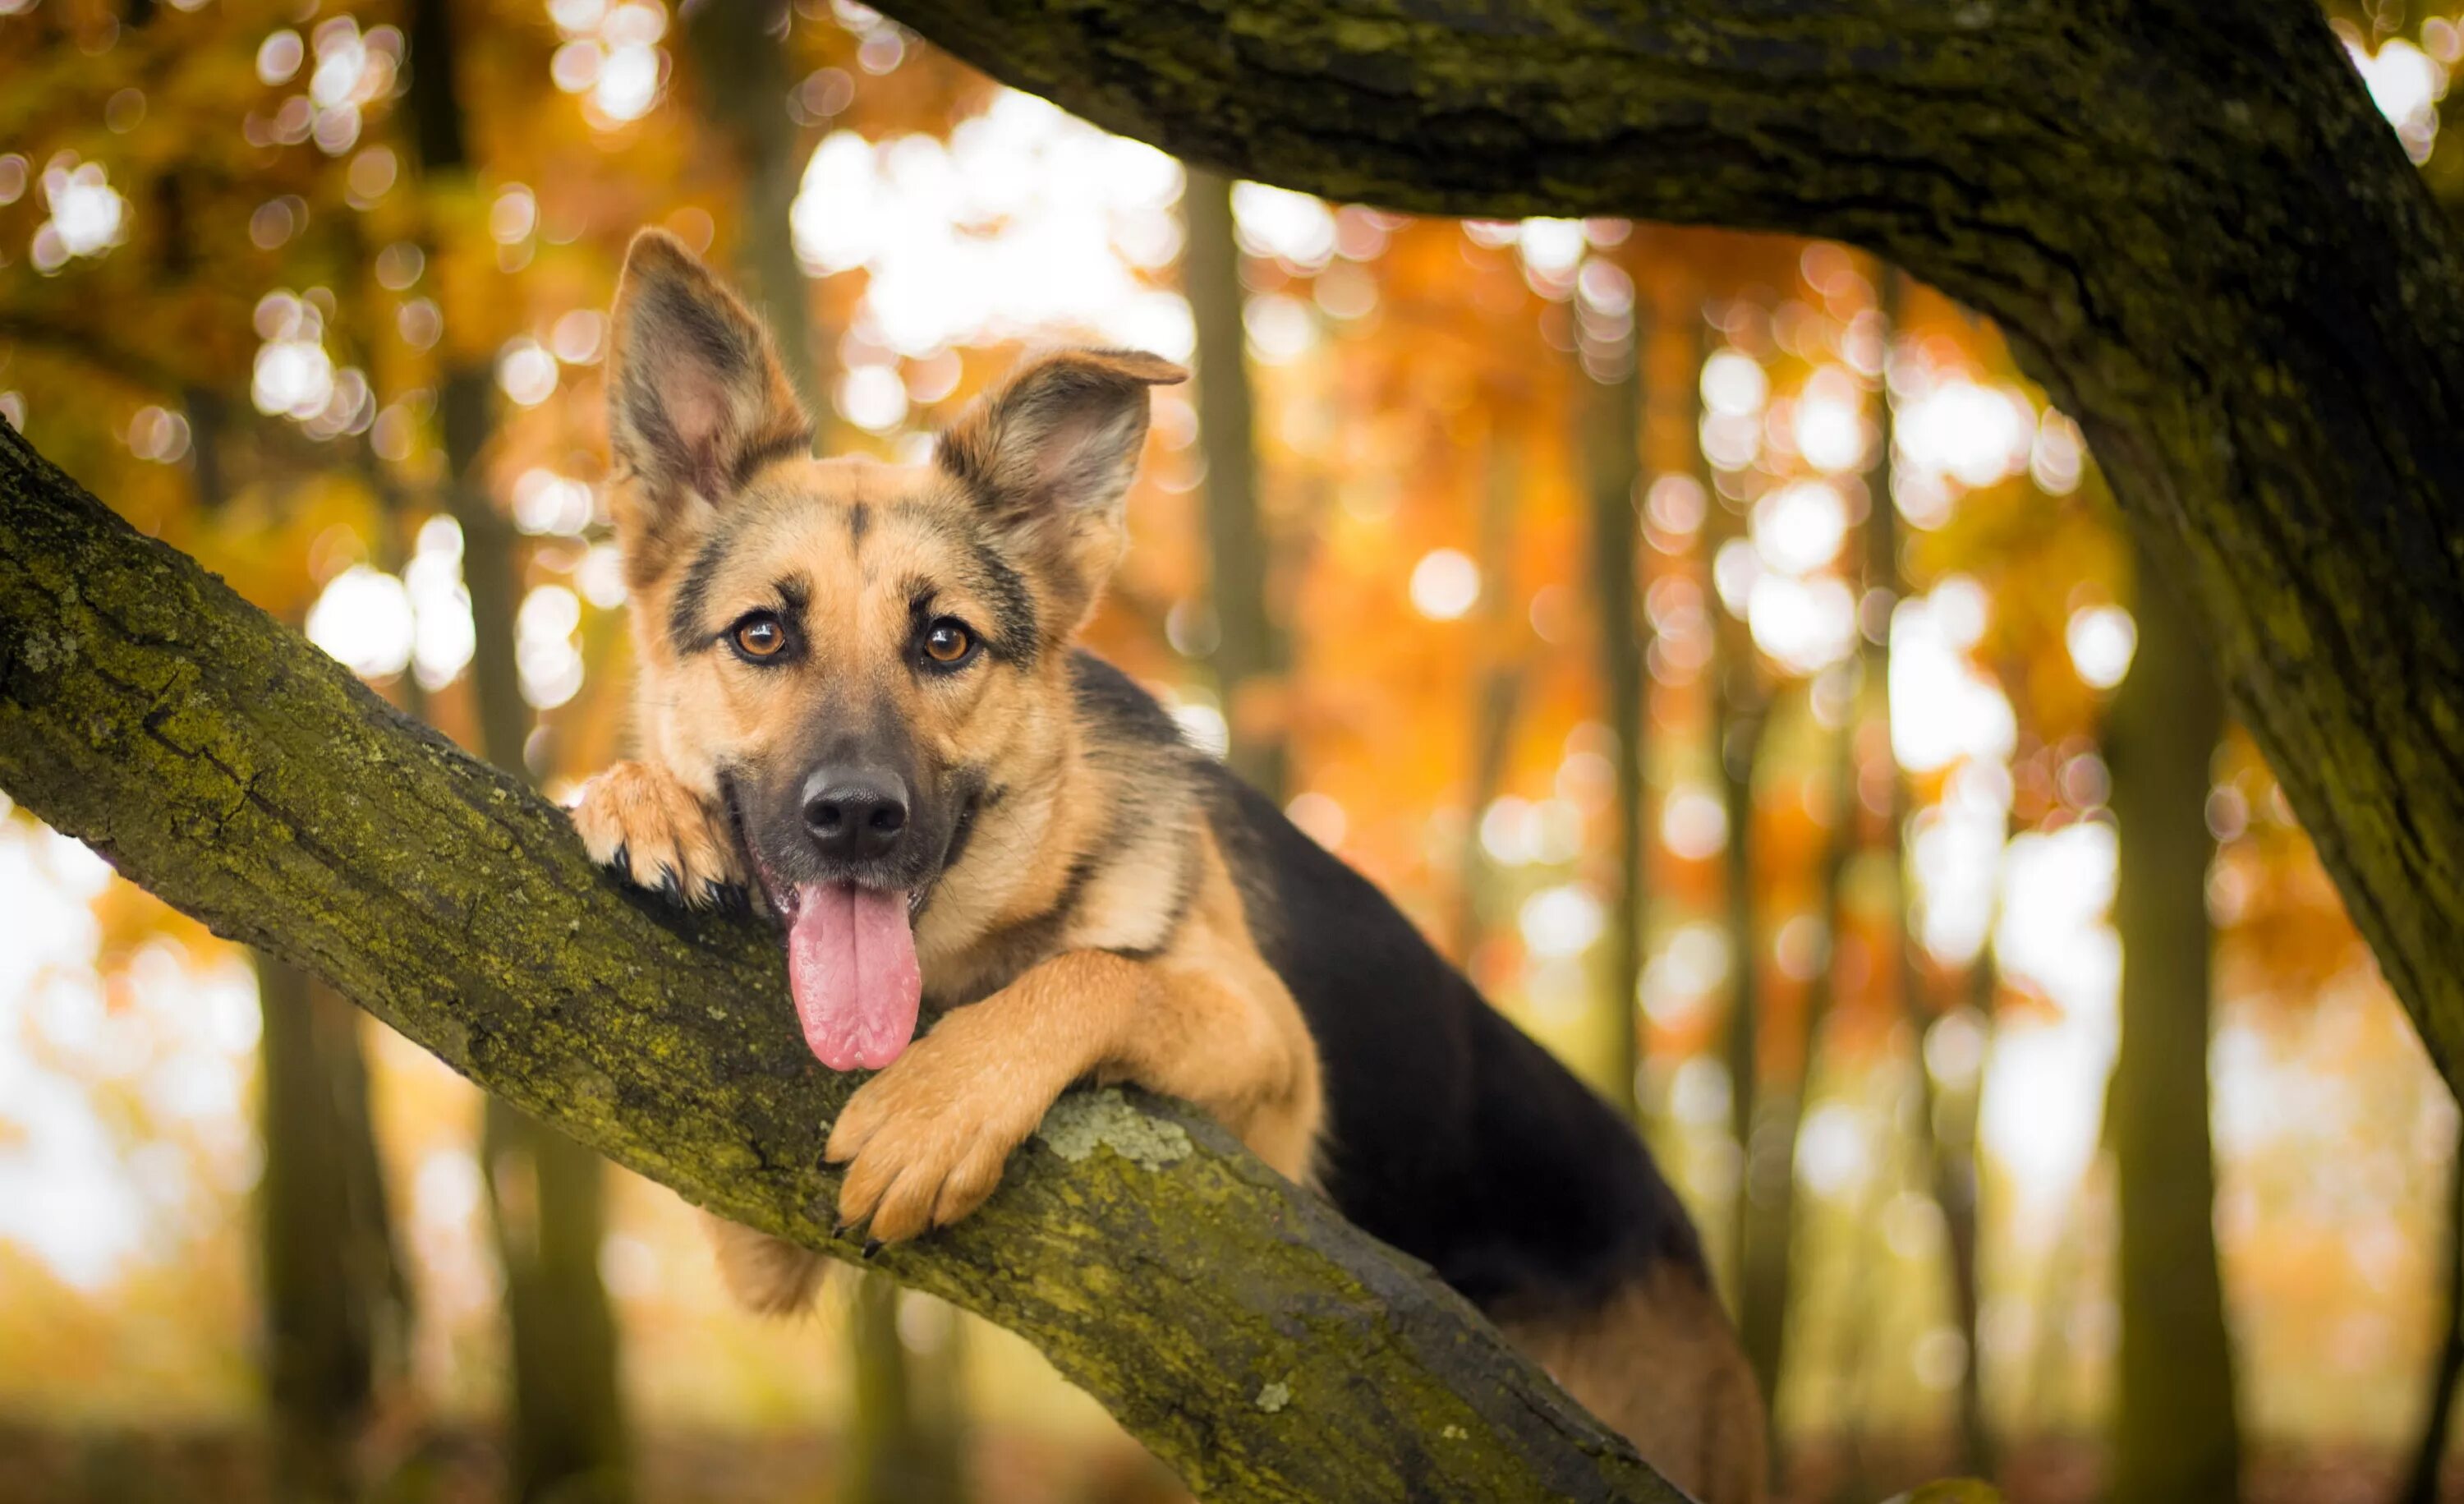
[{"x": 1453, "y": 1135}]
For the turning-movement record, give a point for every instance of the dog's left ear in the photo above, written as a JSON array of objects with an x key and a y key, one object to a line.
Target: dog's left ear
[
  {"x": 696, "y": 398},
  {"x": 1049, "y": 456}
]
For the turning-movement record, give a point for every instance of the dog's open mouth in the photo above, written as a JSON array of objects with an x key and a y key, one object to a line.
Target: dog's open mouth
[
  {"x": 852, "y": 968},
  {"x": 851, "y": 965}
]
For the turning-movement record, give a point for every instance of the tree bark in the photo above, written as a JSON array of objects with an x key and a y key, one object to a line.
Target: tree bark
[
  {"x": 2203, "y": 240},
  {"x": 246, "y": 779},
  {"x": 2175, "y": 1435}
]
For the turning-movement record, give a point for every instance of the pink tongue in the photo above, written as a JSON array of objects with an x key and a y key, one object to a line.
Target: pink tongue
[{"x": 851, "y": 965}]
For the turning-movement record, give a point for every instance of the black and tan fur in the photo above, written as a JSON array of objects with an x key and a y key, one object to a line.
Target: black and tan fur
[{"x": 1091, "y": 897}]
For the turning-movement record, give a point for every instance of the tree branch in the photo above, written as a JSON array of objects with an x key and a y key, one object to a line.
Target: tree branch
[
  {"x": 1237, "y": 1325},
  {"x": 2199, "y": 236}
]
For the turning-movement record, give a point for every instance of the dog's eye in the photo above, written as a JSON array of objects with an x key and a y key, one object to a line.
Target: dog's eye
[
  {"x": 947, "y": 642},
  {"x": 761, "y": 635}
]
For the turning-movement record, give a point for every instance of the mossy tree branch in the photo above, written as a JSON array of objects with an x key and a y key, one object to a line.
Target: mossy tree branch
[
  {"x": 2195, "y": 230},
  {"x": 1246, "y": 1334}
]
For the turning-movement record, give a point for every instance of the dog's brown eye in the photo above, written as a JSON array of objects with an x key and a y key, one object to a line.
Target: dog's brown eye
[
  {"x": 947, "y": 641},
  {"x": 761, "y": 635}
]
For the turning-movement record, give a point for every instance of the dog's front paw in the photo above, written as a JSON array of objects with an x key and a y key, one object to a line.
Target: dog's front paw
[
  {"x": 925, "y": 1141},
  {"x": 648, "y": 825}
]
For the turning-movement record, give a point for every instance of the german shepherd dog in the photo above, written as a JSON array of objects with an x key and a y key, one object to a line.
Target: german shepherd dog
[{"x": 858, "y": 698}]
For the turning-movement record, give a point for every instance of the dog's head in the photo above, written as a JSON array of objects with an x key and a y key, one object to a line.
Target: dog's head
[{"x": 847, "y": 655}]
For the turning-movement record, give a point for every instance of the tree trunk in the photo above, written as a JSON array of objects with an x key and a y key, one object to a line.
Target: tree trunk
[
  {"x": 1950, "y": 1141},
  {"x": 1951, "y": 1138},
  {"x": 1738, "y": 723},
  {"x": 1945, "y": 1146},
  {"x": 1739, "y": 704},
  {"x": 2174, "y": 1436},
  {"x": 545, "y": 1196},
  {"x": 1860, "y": 1322},
  {"x": 335, "y": 1306},
  {"x": 906, "y": 1443},
  {"x": 546, "y": 1201},
  {"x": 1766, "y": 1279},
  {"x": 1612, "y": 442},
  {"x": 248, "y": 780},
  {"x": 2138, "y": 197},
  {"x": 2430, "y": 1453},
  {"x": 739, "y": 52},
  {"x": 1497, "y": 704},
  {"x": 1771, "y": 1255},
  {"x": 1251, "y": 653}
]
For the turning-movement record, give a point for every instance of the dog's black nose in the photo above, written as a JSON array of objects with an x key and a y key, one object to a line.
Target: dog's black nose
[{"x": 855, "y": 812}]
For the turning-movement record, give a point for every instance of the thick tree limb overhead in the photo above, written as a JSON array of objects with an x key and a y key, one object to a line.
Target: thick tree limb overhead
[
  {"x": 2190, "y": 220},
  {"x": 1251, "y": 1337}
]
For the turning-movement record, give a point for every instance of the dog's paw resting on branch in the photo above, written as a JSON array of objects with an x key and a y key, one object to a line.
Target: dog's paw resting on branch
[{"x": 860, "y": 700}]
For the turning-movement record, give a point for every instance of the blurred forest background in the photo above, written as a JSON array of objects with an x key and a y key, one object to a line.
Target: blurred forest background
[{"x": 1711, "y": 640}]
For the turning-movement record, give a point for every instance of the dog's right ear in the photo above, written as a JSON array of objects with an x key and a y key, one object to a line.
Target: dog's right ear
[
  {"x": 696, "y": 398},
  {"x": 1047, "y": 457}
]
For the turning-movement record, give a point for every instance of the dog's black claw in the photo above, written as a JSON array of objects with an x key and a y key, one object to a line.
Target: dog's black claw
[
  {"x": 670, "y": 887},
  {"x": 872, "y": 1245},
  {"x": 623, "y": 862}
]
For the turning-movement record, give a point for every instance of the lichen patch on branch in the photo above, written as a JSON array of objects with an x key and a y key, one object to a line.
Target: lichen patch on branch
[{"x": 1081, "y": 1122}]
